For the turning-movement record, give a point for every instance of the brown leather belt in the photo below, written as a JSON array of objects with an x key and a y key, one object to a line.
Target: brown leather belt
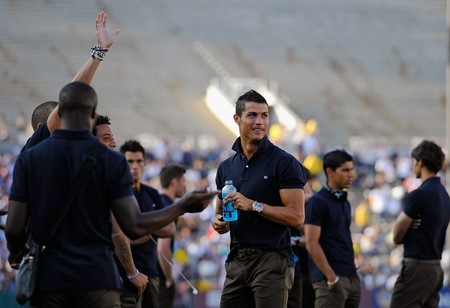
[{"x": 419, "y": 261}]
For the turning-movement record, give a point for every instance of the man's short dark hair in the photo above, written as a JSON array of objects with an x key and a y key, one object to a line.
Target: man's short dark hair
[
  {"x": 170, "y": 172},
  {"x": 132, "y": 146},
  {"x": 100, "y": 119},
  {"x": 430, "y": 154},
  {"x": 250, "y": 96},
  {"x": 335, "y": 159},
  {"x": 41, "y": 113},
  {"x": 77, "y": 97}
]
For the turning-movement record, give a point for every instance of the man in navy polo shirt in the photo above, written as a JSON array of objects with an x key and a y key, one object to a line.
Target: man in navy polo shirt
[
  {"x": 421, "y": 277},
  {"x": 270, "y": 199},
  {"x": 78, "y": 264},
  {"x": 144, "y": 250},
  {"x": 328, "y": 238}
]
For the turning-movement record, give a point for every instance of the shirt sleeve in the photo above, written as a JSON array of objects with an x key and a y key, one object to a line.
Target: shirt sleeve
[
  {"x": 314, "y": 212},
  {"x": 41, "y": 133},
  {"x": 412, "y": 204},
  {"x": 292, "y": 174},
  {"x": 19, "y": 188},
  {"x": 121, "y": 181}
]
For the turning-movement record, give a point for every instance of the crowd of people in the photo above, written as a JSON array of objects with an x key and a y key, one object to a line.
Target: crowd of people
[
  {"x": 381, "y": 182},
  {"x": 362, "y": 209}
]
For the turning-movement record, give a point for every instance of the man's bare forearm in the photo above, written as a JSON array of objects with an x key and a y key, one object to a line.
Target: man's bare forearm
[{"x": 123, "y": 252}]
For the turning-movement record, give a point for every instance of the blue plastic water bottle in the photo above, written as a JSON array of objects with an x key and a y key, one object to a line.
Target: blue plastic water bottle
[{"x": 229, "y": 213}]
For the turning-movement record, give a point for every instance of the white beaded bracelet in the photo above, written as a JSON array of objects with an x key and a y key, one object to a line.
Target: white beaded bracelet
[{"x": 334, "y": 282}]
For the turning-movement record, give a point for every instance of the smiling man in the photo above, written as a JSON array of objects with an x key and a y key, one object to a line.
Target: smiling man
[
  {"x": 102, "y": 130},
  {"x": 270, "y": 198}
]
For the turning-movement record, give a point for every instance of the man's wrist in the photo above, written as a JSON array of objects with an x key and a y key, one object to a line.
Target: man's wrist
[
  {"x": 257, "y": 207},
  {"x": 332, "y": 283},
  {"x": 98, "y": 52},
  {"x": 133, "y": 276}
]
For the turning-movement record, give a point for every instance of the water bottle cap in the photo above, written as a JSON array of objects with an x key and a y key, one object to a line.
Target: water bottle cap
[{"x": 229, "y": 182}]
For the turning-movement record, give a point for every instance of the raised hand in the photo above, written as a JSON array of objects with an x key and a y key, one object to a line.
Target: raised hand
[{"x": 104, "y": 38}]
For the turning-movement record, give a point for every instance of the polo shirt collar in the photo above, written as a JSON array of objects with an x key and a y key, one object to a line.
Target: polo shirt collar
[
  {"x": 431, "y": 180},
  {"x": 264, "y": 146}
]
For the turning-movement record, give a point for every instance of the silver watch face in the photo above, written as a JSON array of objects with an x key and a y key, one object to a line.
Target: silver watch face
[{"x": 257, "y": 207}]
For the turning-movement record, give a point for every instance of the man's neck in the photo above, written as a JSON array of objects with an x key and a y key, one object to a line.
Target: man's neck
[
  {"x": 76, "y": 121},
  {"x": 426, "y": 174},
  {"x": 137, "y": 185},
  {"x": 249, "y": 148},
  {"x": 169, "y": 193}
]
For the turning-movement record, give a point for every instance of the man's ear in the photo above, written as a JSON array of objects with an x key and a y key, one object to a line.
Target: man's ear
[
  {"x": 236, "y": 119},
  {"x": 420, "y": 163},
  {"x": 93, "y": 115}
]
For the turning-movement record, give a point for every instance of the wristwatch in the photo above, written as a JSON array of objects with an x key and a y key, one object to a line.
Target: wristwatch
[{"x": 257, "y": 207}]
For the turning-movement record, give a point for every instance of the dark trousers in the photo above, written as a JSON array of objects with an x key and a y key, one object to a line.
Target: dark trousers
[
  {"x": 295, "y": 294},
  {"x": 75, "y": 299},
  {"x": 131, "y": 302},
  {"x": 166, "y": 294},
  {"x": 418, "y": 284},
  {"x": 346, "y": 293},
  {"x": 308, "y": 296},
  {"x": 150, "y": 298},
  {"x": 301, "y": 294},
  {"x": 261, "y": 279}
]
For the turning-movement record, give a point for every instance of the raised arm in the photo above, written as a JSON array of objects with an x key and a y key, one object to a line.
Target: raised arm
[{"x": 105, "y": 40}]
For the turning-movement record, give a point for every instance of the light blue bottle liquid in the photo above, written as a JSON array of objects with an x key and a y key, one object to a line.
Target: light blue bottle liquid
[{"x": 229, "y": 213}]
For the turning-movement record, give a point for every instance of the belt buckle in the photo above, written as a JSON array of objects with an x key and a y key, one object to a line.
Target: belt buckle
[{"x": 248, "y": 251}]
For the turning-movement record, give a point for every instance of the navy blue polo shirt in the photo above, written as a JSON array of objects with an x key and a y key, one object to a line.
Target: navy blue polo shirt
[
  {"x": 145, "y": 256},
  {"x": 41, "y": 133},
  {"x": 166, "y": 200},
  {"x": 431, "y": 202},
  {"x": 261, "y": 178},
  {"x": 334, "y": 218},
  {"x": 80, "y": 254}
]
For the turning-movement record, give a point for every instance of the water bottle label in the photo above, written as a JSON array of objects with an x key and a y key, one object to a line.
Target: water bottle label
[{"x": 229, "y": 212}]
